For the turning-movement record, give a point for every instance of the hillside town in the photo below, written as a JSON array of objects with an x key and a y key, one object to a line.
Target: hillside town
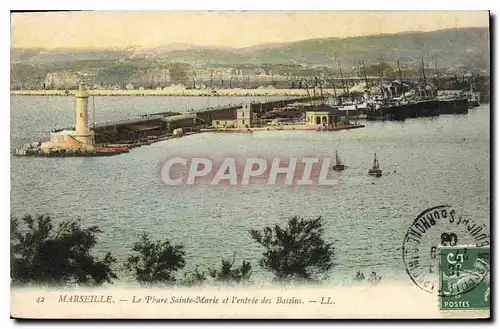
[{"x": 182, "y": 77}]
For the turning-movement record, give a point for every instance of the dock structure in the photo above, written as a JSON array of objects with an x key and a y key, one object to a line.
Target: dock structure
[
  {"x": 116, "y": 137},
  {"x": 299, "y": 113},
  {"x": 162, "y": 123}
]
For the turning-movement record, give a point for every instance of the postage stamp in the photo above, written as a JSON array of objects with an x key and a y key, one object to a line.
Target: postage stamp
[
  {"x": 249, "y": 164},
  {"x": 464, "y": 277}
]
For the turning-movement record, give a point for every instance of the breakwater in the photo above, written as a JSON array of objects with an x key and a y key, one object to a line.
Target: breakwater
[
  {"x": 181, "y": 92},
  {"x": 34, "y": 149},
  {"x": 116, "y": 137}
]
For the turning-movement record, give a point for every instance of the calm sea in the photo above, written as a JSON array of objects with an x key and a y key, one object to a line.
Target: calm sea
[{"x": 427, "y": 161}]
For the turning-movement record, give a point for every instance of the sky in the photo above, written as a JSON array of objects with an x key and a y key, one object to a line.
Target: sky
[{"x": 122, "y": 29}]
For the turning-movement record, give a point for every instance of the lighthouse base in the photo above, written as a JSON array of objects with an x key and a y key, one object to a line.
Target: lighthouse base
[{"x": 87, "y": 141}]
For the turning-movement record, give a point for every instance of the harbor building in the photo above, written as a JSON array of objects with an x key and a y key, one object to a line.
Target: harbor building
[
  {"x": 244, "y": 119},
  {"x": 244, "y": 116},
  {"x": 223, "y": 123},
  {"x": 322, "y": 116},
  {"x": 82, "y": 138}
]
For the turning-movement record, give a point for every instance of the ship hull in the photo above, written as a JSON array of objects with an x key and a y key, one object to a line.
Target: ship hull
[
  {"x": 455, "y": 106},
  {"x": 375, "y": 173},
  {"x": 338, "y": 167},
  {"x": 430, "y": 108}
]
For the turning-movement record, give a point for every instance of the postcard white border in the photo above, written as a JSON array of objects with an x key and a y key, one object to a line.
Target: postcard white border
[{"x": 216, "y": 4}]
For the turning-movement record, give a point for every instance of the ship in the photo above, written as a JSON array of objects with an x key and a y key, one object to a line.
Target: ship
[
  {"x": 375, "y": 170},
  {"x": 339, "y": 166},
  {"x": 401, "y": 110},
  {"x": 421, "y": 100}
]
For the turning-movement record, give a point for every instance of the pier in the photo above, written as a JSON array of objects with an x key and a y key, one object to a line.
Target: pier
[
  {"x": 164, "y": 123},
  {"x": 297, "y": 113},
  {"x": 117, "y": 137}
]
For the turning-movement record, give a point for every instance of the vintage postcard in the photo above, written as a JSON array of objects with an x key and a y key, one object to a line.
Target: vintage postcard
[{"x": 250, "y": 164}]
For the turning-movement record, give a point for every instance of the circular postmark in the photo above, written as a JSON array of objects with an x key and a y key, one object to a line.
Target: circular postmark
[{"x": 439, "y": 226}]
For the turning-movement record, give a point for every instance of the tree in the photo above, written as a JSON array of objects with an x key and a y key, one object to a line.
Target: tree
[
  {"x": 297, "y": 251},
  {"x": 194, "y": 278},
  {"x": 226, "y": 274},
  {"x": 155, "y": 262},
  {"x": 229, "y": 274},
  {"x": 44, "y": 254}
]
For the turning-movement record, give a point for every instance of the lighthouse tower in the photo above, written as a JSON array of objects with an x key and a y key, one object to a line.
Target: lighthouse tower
[{"x": 82, "y": 131}]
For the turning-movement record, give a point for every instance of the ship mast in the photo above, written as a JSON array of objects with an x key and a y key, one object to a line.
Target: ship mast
[
  {"x": 231, "y": 81},
  {"x": 380, "y": 78},
  {"x": 334, "y": 88},
  {"x": 400, "y": 78},
  {"x": 194, "y": 79},
  {"x": 423, "y": 72},
  {"x": 321, "y": 87},
  {"x": 437, "y": 75},
  {"x": 347, "y": 86},
  {"x": 93, "y": 110},
  {"x": 424, "y": 78},
  {"x": 342, "y": 79},
  {"x": 364, "y": 73},
  {"x": 306, "y": 85}
]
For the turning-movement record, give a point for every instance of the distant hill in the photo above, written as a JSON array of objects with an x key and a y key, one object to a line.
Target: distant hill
[
  {"x": 47, "y": 56},
  {"x": 464, "y": 46}
]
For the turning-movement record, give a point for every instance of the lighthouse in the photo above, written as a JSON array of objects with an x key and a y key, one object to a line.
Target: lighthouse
[{"x": 82, "y": 131}]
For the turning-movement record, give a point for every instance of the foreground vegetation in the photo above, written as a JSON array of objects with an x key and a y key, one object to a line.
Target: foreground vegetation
[{"x": 43, "y": 253}]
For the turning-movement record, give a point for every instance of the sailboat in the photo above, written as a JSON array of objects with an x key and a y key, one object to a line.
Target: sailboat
[
  {"x": 339, "y": 166},
  {"x": 375, "y": 170}
]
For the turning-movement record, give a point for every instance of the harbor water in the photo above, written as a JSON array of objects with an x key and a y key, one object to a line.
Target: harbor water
[{"x": 426, "y": 162}]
